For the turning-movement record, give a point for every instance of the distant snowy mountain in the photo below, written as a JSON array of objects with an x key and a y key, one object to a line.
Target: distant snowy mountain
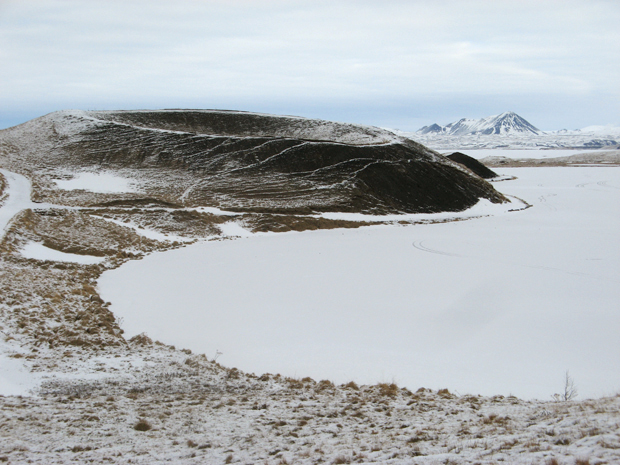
[
  {"x": 511, "y": 131},
  {"x": 507, "y": 123}
]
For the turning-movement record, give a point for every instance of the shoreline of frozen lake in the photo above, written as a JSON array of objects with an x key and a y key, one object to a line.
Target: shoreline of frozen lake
[
  {"x": 520, "y": 154},
  {"x": 496, "y": 305}
]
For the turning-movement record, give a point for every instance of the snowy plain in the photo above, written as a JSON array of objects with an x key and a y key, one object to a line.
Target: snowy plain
[
  {"x": 479, "y": 154},
  {"x": 503, "y": 304}
]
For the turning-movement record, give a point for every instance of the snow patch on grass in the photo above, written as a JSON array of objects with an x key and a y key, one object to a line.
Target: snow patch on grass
[
  {"x": 15, "y": 378},
  {"x": 147, "y": 232},
  {"x": 40, "y": 252},
  {"x": 234, "y": 229},
  {"x": 103, "y": 183},
  {"x": 214, "y": 211}
]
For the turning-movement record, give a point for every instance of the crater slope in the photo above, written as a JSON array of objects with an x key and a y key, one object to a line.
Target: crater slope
[
  {"x": 244, "y": 162},
  {"x": 473, "y": 164}
]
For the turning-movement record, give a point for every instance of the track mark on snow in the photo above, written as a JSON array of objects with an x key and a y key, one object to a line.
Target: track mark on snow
[
  {"x": 604, "y": 184},
  {"x": 420, "y": 246},
  {"x": 543, "y": 199}
]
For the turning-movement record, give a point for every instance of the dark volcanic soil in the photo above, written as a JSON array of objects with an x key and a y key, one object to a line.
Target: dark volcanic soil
[
  {"x": 473, "y": 165},
  {"x": 248, "y": 162}
]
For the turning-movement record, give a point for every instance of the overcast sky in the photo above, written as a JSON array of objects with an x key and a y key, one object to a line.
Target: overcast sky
[{"x": 400, "y": 64}]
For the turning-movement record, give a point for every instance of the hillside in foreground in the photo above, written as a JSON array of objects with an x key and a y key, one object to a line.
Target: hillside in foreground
[{"x": 149, "y": 404}]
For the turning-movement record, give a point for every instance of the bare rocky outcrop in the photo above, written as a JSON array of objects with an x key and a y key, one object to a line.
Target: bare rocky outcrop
[{"x": 472, "y": 164}]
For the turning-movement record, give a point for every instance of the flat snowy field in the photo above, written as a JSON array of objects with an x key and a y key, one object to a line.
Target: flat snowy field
[
  {"x": 497, "y": 305},
  {"x": 479, "y": 154}
]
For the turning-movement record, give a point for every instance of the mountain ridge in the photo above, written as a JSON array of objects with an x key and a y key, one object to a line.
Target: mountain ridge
[
  {"x": 504, "y": 123},
  {"x": 511, "y": 131}
]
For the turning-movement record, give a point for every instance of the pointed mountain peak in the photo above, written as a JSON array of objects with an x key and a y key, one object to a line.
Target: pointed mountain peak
[
  {"x": 432, "y": 129},
  {"x": 506, "y": 123}
]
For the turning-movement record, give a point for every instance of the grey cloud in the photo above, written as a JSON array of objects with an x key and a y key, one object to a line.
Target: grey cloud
[{"x": 307, "y": 55}]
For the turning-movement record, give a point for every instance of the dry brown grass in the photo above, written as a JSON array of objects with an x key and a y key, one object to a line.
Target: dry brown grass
[
  {"x": 494, "y": 419},
  {"x": 186, "y": 223},
  {"x": 294, "y": 383},
  {"x": 352, "y": 385},
  {"x": 80, "y": 233},
  {"x": 389, "y": 390},
  {"x": 141, "y": 339},
  {"x": 284, "y": 223},
  {"x": 142, "y": 425},
  {"x": 2, "y": 187},
  {"x": 342, "y": 459},
  {"x": 324, "y": 385},
  {"x": 56, "y": 303}
]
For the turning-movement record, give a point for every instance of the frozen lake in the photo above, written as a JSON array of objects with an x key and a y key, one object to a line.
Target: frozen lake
[
  {"x": 497, "y": 305},
  {"x": 479, "y": 154}
]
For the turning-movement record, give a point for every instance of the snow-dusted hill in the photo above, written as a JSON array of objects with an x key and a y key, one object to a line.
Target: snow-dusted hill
[{"x": 247, "y": 161}]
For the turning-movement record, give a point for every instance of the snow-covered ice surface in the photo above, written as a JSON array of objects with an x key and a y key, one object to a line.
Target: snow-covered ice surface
[
  {"x": 103, "y": 182},
  {"x": 40, "y": 252},
  {"x": 479, "y": 154},
  {"x": 483, "y": 208},
  {"x": 497, "y": 305}
]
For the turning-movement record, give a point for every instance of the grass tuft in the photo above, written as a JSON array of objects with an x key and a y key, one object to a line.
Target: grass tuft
[
  {"x": 142, "y": 425},
  {"x": 389, "y": 390}
]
